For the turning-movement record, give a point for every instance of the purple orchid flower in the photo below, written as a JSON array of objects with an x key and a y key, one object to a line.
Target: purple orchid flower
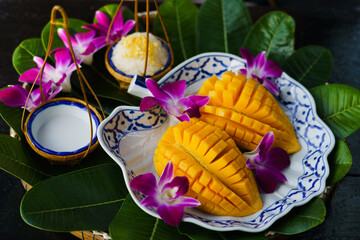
[
  {"x": 15, "y": 95},
  {"x": 166, "y": 196},
  {"x": 261, "y": 69},
  {"x": 118, "y": 30},
  {"x": 268, "y": 163},
  {"x": 60, "y": 75},
  {"x": 84, "y": 44},
  {"x": 171, "y": 97}
]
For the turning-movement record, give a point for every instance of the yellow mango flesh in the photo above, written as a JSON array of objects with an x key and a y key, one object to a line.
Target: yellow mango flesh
[
  {"x": 214, "y": 166},
  {"x": 246, "y": 111}
]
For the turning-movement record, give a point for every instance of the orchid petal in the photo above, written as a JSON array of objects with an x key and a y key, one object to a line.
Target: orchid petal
[
  {"x": 271, "y": 86},
  {"x": 199, "y": 100},
  {"x": 85, "y": 37},
  {"x": 181, "y": 183},
  {"x": 147, "y": 102},
  {"x": 62, "y": 34},
  {"x": 172, "y": 215},
  {"x": 39, "y": 61},
  {"x": 272, "y": 69},
  {"x": 99, "y": 29},
  {"x": 29, "y": 76},
  {"x": 129, "y": 24},
  {"x": 268, "y": 179},
  {"x": 260, "y": 60},
  {"x": 118, "y": 21},
  {"x": 266, "y": 143},
  {"x": 156, "y": 91},
  {"x": 243, "y": 72},
  {"x": 166, "y": 175},
  {"x": 102, "y": 19},
  {"x": 183, "y": 118},
  {"x": 277, "y": 158},
  {"x": 14, "y": 96},
  {"x": 187, "y": 202},
  {"x": 145, "y": 183},
  {"x": 150, "y": 201},
  {"x": 89, "y": 50},
  {"x": 175, "y": 89},
  {"x": 245, "y": 53},
  {"x": 48, "y": 69},
  {"x": 62, "y": 58},
  {"x": 99, "y": 42}
]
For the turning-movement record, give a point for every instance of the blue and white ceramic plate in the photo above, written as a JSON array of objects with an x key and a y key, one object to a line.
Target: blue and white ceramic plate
[{"x": 130, "y": 138}]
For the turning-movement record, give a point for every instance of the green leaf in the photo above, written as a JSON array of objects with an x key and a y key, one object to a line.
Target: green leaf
[
  {"x": 302, "y": 218},
  {"x": 16, "y": 160},
  {"x": 273, "y": 33},
  {"x": 311, "y": 66},
  {"x": 179, "y": 17},
  {"x": 340, "y": 161},
  {"x": 82, "y": 200},
  {"x": 75, "y": 26},
  {"x": 338, "y": 105},
  {"x": 222, "y": 26},
  {"x": 12, "y": 116},
  {"x": 133, "y": 223},
  {"x": 25, "y": 52}
]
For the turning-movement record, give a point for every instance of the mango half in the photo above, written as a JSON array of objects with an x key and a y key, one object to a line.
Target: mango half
[
  {"x": 214, "y": 165},
  {"x": 246, "y": 111}
]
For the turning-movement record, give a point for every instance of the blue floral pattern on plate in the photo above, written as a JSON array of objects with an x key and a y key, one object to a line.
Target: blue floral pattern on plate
[{"x": 130, "y": 138}]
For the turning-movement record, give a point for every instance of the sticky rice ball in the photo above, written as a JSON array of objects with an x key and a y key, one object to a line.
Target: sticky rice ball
[{"x": 129, "y": 54}]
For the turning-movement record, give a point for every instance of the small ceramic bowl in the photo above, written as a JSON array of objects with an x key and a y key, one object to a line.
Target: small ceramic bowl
[
  {"x": 59, "y": 130},
  {"x": 125, "y": 79}
]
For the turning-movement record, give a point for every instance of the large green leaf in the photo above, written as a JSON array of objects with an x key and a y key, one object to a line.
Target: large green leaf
[
  {"x": 273, "y": 33},
  {"x": 340, "y": 161},
  {"x": 12, "y": 116},
  {"x": 222, "y": 26},
  {"x": 196, "y": 232},
  {"x": 75, "y": 26},
  {"x": 338, "y": 105},
  {"x": 133, "y": 223},
  {"x": 179, "y": 17},
  {"x": 25, "y": 52},
  {"x": 16, "y": 160},
  {"x": 311, "y": 66},
  {"x": 82, "y": 200},
  {"x": 301, "y": 219}
]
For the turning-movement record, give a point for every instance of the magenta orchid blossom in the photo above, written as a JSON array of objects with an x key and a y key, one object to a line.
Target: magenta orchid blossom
[
  {"x": 268, "y": 163},
  {"x": 60, "y": 75},
  {"x": 15, "y": 95},
  {"x": 171, "y": 98},
  {"x": 166, "y": 195},
  {"x": 118, "y": 29},
  {"x": 261, "y": 69},
  {"x": 84, "y": 44}
]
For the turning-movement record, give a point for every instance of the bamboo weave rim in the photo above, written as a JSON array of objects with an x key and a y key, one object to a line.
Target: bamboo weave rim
[
  {"x": 81, "y": 77},
  {"x": 124, "y": 80}
]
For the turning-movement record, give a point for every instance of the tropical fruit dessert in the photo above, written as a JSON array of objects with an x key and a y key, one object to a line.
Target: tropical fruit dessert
[
  {"x": 214, "y": 166},
  {"x": 246, "y": 111}
]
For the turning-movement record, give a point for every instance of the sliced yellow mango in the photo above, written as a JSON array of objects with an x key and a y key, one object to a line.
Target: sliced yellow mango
[
  {"x": 246, "y": 111},
  {"x": 214, "y": 165}
]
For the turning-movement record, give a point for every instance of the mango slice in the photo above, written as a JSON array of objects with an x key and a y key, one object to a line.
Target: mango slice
[
  {"x": 214, "y": 165},
  {"x": 246, "y": 111}
]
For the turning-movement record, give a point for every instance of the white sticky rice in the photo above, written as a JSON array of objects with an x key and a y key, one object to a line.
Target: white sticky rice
[{"x": 129, "y": 54}]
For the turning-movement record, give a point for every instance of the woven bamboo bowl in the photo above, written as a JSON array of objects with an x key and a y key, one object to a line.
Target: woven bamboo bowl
[
  {"x": 59, "y": 130},
  {"x": 125, "y": 79}
]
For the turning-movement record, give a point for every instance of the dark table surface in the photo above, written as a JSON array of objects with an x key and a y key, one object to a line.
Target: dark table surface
[{"x": 331, "y": 24}]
